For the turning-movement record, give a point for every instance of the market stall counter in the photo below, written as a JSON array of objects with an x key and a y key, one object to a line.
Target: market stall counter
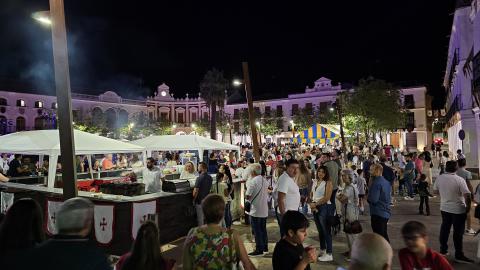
[{"x": 117, "y": 218}]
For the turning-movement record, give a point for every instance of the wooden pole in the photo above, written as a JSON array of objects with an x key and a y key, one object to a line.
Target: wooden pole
[
  {"x": 251, "y": 113},
  {"x": 64, "y": 100}
]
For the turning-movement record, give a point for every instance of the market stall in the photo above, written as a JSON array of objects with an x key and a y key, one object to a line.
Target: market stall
[
  {"x": 318, "y": 134},
  {"x": 117, "y": 217}
]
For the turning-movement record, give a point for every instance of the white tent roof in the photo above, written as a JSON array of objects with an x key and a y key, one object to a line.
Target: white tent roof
[
  {"x": 46, "y": 142},
  {"x": 182, "y": 142}
]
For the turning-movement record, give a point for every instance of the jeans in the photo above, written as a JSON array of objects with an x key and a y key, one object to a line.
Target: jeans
[
  {"x": 458, "y": 222},
  {"x": 279, "y": 220},
  {"x": 228, "y": 215},
  {"x": 304, "y": 194},
  {"x": 379, "y": 226},
  {"x": 259, "y": 226},
  {"x": 409, "y": 185},
  {"x": 324, "y": 231},
  {"x": 427, "y": 207},
  {"x": 200, "y": 216}
]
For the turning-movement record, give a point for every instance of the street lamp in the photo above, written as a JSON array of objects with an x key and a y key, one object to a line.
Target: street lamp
[
  {"x": 237, "y": 82},
  {"x": 42, "y": 17},
  {"x": 293, "y": 128},
  {"x": 174, "y": 126},
  {"x": 131, "y": 125},
  {"x": 332, "y": 109},
  {"x": 56, "y": 20}
]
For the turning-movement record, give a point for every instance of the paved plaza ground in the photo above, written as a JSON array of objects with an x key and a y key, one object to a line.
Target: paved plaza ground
[{"x": 402, "y": 211}]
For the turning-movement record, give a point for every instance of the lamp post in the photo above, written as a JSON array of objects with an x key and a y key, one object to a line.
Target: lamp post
[
  {"x": 62, "y": 84},
  {"x": 194, "y": 129},
  {"x": 251, "y": 113},
  {"x": 338, "y": 107},
  {"x": 259, "y": 131},
  {"x": 293, "y": 129},
  {"x": 230, "y": 131}
]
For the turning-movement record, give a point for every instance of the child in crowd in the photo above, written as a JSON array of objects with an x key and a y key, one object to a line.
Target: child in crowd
[
  {"x": 361, "y": 186},
  {"x": 424, "y": 194},
  {"x": 289, "y": 252},
  {"x": 417, "y": 254}
]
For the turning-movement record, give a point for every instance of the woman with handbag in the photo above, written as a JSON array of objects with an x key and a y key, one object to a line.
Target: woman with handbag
[
  {"x": 322, "y": 208},
  {"x": 350, "y": 211}
]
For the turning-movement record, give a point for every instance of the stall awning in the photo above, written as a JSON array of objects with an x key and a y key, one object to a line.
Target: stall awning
[
  {"x": 319, "y": 131},
  {"x": 182, "y": 142},
  {"x": 313, "y": 141}
]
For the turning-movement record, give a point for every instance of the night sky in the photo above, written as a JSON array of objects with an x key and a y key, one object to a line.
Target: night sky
[{"x": 133, "y": 46}]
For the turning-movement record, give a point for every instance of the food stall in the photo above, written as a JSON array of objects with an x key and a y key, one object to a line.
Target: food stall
[
  {"x": 116, "y": 217},
  {"x": 193, "y": 143}
]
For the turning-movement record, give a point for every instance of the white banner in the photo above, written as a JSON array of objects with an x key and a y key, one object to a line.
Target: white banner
[
  {"x": 140, "y": 212},
  {"x": 104, "y": 219},
  {"x": 7, "y": 201},
  {"x": 52, "y": 208}
]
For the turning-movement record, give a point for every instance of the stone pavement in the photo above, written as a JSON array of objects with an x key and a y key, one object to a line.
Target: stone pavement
[{"x": 403, "y": 211}]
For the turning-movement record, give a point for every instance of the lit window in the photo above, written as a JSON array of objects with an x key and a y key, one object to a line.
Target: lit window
[
  {"x": 38, "y": 104},
  {"x": 21, "y": 103}
]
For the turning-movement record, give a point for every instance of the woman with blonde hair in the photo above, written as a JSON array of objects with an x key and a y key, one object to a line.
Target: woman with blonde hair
[
  {"x": 189, "y": 171},
  {"x": 379, "y": 198}
]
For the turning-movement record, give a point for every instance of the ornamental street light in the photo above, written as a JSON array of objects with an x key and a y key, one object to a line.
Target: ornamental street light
[
  {"x": 56, "y": 19},
  {"x": 251, "y": 113},
  {"x": 293, "y": 128},
  {"x": 237, "y": 82}
]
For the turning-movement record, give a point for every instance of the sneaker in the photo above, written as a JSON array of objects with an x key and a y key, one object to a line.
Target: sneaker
[
  {"x": 321, "y": 252},
  {"x": 326, "y": 258},
  {"x": 255, "y": 253},
  {"x": 463, "y": 259},
  {"x": 470, "y": 231},
  {"x": 408, "y": 198}
]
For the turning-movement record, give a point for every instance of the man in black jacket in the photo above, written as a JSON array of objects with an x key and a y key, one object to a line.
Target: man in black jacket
[{"x": 70, "y": 248}]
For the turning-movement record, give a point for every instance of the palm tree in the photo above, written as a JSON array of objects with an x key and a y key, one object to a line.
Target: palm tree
[{"x": 212, "y": 90}]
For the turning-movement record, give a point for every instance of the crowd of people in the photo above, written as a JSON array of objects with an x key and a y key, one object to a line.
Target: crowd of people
[{"x": 300, "y": 185}]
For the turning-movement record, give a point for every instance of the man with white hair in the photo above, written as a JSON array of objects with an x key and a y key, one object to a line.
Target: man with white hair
[
  {"x": 370, "y": 251},
  {"x": 257, "y": 194},
  {"x": 70, "y": 248}
]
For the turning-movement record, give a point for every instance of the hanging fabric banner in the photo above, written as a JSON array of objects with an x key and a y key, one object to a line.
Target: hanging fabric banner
[
  {"x": 51, "y": 214},
  {"x": 7, "y": 201},
  {"x": 140, "y": 212},
  {"x": 104, "y": 218}
]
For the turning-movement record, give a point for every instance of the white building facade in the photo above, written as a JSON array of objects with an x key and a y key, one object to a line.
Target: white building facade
[
  {"x": 22, "y": 111},
  {"x": 462, "y": 82}
]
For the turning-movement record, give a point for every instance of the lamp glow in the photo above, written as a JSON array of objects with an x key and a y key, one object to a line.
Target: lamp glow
[
  {"x": 42, "y": 17},
  {"x": 237, "y": 82}
]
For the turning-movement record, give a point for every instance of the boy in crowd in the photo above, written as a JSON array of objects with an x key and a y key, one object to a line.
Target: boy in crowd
[
  {"x": 424, "y": 194},
  {"x": 417, "y": 254},
  {"x": 289, "y": 252}
]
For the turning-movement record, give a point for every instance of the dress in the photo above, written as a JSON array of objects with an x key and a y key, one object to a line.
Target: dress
[
  {"x": 210, "y": 251},
  {"x": 350, "y": 210}
]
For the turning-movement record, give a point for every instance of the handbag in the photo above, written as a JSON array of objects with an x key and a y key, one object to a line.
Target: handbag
[
  {"x": 354, "y": 227},
  {"x": 248, "y": 204}
]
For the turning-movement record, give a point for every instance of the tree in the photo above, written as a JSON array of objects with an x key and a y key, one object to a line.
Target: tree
[
  {"x": 212, "y": 90},
  {"x": 376, "y": 106}
]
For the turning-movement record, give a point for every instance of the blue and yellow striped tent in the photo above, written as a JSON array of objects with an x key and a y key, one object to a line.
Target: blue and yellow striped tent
[{"x": 317, "y": 134}]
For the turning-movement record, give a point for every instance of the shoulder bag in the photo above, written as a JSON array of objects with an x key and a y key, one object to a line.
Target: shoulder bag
[
  {"x": 353, "y": 227},
  {"x": 248, "y": 204}
]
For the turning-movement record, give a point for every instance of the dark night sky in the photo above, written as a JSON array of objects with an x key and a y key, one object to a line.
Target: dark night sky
[{"x": 133, "y": 46}]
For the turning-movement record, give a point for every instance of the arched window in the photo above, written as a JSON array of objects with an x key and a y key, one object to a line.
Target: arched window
[
  {"x": 39, "y": 123},
  {"x": 54, "y": 105},
  {"x": 3, "y": 102},
  {"x": 20, "y": 103},
  {"x": 20, "y": 123},
  {"x": 3, "y": 125}
]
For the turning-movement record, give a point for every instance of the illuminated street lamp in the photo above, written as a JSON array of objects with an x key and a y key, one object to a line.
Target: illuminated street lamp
[
  {"x": 56, "y": 19},
  {"x": 293, "y": 128},
  {"x": 237, "y": 82},
  {"x": 42, "y": 17},
  {"x": 332, "y": 109},
  {"x": 131, "y": 125},
  {"x": 174, "y": 126}
]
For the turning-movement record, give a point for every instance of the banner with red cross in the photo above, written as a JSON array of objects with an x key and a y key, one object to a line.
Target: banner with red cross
[
  {"x": 51, "y": 214},
  {"x": 140, "y": 212},
  {"x": 6, "y": 201},
  {"x": 104, "y": 219}
]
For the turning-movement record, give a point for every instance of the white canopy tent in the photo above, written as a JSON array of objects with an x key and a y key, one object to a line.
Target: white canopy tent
[
  {"x": 46, "y": 142},
  {"x": 182, "y": 143}
]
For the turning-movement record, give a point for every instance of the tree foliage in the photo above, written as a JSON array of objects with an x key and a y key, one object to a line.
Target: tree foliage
[{"x": 212, "y": 90}]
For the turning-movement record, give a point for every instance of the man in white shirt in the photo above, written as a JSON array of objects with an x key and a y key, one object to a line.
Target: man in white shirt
[
  {"x": 454, "y": 205},
  {"x": 152, "y": 177},
  {"x": 4, "y": 164},
  {"x": 288, "y": 197},
  {"x": 257, "y": 194}
]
